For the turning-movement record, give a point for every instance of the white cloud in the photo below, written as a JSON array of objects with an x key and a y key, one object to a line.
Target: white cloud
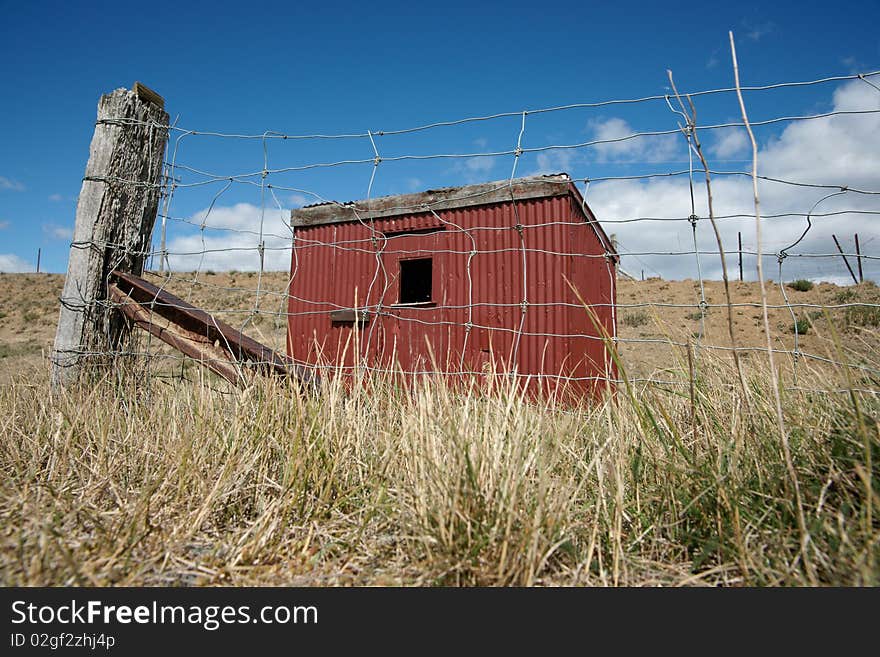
[
  {"x": 852, "y": 64},
  {"x": 648, "y": 148},
  {"x": 299, "y": 200},
  {"x": 475, "y": 169},
  {"x": 556, "y": 161},
  {"x": 4, "y": 225},
  {"x": 12, "y": 264},
  {"x": 231, "y": 240},
  {"x": 730, "y": 143},
  {"x": 11, "y": 185},
  {"x": 56, "y": 232},
  {"x": 56, "y": 198},
  {"x": 480, "y": 164},
  {"x": 712, "y": 62},
  {"x": 838, "y": 150},
  {"x": 241, "y": 216},
  {"x": 758, "y": 31}
]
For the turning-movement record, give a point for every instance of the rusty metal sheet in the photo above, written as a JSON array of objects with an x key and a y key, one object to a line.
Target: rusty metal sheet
[
  {"x": 196, "y": 333},
  {"x": 191, "y": 344}
]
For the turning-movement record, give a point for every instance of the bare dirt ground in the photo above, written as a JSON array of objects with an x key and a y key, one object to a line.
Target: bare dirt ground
[{"x": 654, "y": 311}]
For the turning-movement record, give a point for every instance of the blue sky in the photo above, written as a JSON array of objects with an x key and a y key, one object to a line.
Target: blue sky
[{"x": 354, "y": 67}]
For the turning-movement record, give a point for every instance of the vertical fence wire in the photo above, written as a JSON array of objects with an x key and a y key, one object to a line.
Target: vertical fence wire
[{"x": 175, "y": 255}]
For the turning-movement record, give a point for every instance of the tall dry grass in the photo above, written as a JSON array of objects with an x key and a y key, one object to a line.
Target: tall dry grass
[{"x": 174, "y": 482}]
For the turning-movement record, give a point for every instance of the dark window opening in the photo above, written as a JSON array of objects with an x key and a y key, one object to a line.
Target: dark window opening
[{"x": 415, "y": 280}]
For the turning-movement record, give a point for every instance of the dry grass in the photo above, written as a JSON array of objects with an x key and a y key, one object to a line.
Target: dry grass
[
  {"x": 177, "y": 483},
  {"x": 152, "y": 481}
]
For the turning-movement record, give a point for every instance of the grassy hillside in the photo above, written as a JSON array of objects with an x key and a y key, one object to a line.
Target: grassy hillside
[{"x": 650, "y": 310}]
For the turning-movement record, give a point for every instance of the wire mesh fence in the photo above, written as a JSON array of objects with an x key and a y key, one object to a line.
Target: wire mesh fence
[{"x": 703, "y": 244}]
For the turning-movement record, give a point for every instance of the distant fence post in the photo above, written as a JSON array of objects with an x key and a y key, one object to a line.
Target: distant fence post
[
  {"x": 115, "y": 214},
  {"x": 859, "y": 258},
  {"x": 739, "y": 239},
  {"x": 845, "y": 261}
]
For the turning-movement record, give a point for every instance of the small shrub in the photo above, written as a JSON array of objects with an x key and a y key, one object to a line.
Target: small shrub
[
  {"x": 634, "y": 319},
  {"x": 845, "y": 296},
  {"x": 801, "y": 285},
  {"x": 801, "y": 326},
  {"x": 695, "y": 316}
]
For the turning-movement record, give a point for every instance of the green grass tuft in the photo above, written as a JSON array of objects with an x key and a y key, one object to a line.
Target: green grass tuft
[
  {"x": 635, "y": 318},
  {"x": 801, "y": 285}
]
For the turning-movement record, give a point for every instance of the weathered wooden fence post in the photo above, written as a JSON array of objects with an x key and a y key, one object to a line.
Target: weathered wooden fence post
[{"x": 114, "y": 222}]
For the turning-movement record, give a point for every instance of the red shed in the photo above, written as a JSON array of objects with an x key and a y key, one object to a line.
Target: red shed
[{"x": 457, "y": 280}]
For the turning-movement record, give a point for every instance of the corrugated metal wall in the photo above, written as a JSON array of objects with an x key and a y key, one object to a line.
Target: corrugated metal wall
[{"x": 500, "y": 292}]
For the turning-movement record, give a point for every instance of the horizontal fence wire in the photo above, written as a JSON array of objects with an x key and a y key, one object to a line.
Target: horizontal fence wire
[{"x": 230, "y": 245}]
